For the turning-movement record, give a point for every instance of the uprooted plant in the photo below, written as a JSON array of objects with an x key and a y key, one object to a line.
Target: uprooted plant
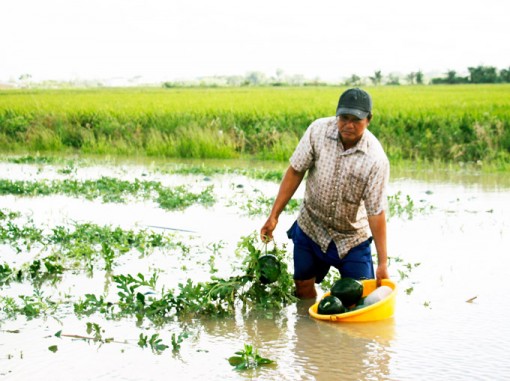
[{"x": 219, "y": 296}]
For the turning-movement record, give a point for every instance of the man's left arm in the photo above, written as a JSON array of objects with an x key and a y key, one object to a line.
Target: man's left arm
[{"x": 377, "y": 225}]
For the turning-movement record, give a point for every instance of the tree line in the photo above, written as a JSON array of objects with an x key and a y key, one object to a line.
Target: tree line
[{"x": 478, "y": 74}]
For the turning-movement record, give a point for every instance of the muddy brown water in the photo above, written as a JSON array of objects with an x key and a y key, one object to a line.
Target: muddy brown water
[{"x": 458, "y": 252}]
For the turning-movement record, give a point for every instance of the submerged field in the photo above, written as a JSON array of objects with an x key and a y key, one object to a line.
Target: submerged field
[
  {"x": 146, "y": 270},
  {"x": 456, "y": 124}
]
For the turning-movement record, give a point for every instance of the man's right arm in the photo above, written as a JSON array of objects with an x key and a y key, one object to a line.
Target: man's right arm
[{"x": 288, "y": 187}]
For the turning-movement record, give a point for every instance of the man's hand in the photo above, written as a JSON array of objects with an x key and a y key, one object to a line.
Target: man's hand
[
  {"x": 381, "y": 273},
  {"x": 266, "y": 233}
]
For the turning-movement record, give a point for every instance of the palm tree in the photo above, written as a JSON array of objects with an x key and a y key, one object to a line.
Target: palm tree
[{"x": 377, "y": 78}]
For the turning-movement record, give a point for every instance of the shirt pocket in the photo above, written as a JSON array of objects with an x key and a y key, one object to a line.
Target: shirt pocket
[{"x": 352, "y": 190}]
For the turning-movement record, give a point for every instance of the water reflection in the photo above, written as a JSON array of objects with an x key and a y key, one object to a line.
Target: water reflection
[
  {"x": 468, "y": 178},
  {"x": 346, "y": 351}
]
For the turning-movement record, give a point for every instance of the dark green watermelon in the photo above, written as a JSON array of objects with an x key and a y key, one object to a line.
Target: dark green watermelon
[
  {"x": 348, "y": 290},
  {"x": 330, "y": 305},
  {"x": 270, "y": 269}
]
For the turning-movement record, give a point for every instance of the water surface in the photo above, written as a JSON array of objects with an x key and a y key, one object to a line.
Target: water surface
[{"x": 456, "y": 250}]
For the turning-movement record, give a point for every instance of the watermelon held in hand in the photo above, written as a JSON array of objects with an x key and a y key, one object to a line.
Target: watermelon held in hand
[
  {"x": 270, "y": 269},
  {"x": 348, "y": 290},
  {"x": 330, "y": 305}
]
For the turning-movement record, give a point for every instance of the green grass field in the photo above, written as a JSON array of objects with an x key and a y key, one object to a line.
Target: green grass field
[{"x": 468, "y": 123}]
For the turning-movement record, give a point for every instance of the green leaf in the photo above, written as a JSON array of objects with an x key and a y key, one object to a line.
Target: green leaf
[
  {"x": 241, "y": 366},
  {"x": 160, "y": 347},
  {"x": 53, "y": 348},
  {"x": 142, "y": 341},
  {"x": 235, "y": 360},
  {"x": 58, "y": 334}
]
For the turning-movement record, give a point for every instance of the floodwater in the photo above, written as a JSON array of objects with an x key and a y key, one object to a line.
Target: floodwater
[{"x": 450, "y": 261}]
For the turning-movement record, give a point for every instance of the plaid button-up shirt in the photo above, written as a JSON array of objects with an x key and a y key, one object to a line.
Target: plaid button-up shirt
[{"x": 343, "y": 187}]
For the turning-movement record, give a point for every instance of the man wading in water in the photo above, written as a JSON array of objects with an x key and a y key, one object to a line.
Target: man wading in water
[{"x": 345, "y": 198}]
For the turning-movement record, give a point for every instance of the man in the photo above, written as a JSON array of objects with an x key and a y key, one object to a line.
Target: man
[{"x": 345, "y": 198}]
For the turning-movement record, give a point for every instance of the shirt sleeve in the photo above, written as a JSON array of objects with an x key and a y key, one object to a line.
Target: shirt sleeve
[
  {"x": 375, "y": 195},
  {"x": 303, "y": 157}
]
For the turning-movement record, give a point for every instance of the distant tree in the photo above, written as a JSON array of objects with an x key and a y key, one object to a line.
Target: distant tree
[
  {"x": 25, "y": 79},
  {"x": 483, "y": 74},
  {"x": 451, "y": 79},
  {"x": 377, "y": 78},
  {"x": 297, "y": 79},
  {"x": 353, "y": 80},
  {"x": 419, "y": 77},
  {"x": 393, "y": 80},
  {"x": 279, "y": 78},
  {"x": 169, "y": 85},
  {"x": 255, "y": 78},
  {"x": 234, "y": 80},
  {"x": 279, "y": 75},
  {"x": 451, "y": 76},
  {"x": 411, "y": 77},
  {"x": 504, "y": 75},
  {"x": 315, "y": 82}
]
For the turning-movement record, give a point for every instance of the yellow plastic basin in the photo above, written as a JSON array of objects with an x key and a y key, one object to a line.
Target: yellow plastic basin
[{"x": 383, "y": 309}]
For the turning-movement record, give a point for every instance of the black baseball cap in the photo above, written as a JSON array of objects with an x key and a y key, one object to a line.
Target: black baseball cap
[{"x": 355, "y": 102}]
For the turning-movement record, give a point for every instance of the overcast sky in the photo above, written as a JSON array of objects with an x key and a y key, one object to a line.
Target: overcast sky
[{"x": 168, "y": 40}]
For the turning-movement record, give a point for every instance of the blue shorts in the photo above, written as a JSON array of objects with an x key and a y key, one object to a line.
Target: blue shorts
[{"x": 310, "y": 262}]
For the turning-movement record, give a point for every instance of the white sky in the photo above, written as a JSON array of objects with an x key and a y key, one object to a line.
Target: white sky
[{"x": 167, "y": 39}]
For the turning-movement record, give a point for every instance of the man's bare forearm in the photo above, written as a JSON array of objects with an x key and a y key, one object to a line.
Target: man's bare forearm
[
  {"x": 288, "y": 187},
  {"x": 378, "y": 228}
]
